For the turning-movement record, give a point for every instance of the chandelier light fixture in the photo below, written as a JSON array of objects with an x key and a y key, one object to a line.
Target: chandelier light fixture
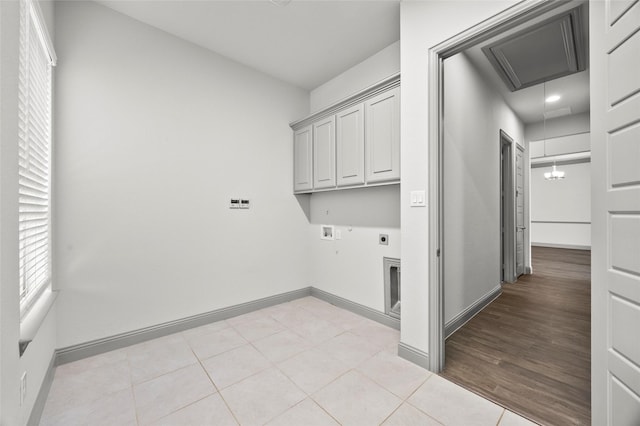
[{"x": 554, "y": 174}]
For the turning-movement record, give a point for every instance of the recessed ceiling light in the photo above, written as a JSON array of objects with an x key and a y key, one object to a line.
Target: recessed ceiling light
[{"x": 553, "y": 98}]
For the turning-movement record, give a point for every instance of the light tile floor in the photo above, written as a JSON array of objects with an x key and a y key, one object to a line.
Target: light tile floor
[{"x": 301, "y": 363}]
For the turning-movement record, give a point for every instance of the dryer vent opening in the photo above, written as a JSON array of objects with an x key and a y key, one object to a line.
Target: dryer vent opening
[{"x": 391, "y": 287}]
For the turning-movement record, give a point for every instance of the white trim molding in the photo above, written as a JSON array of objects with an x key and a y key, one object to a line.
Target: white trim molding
[
  {"x": 562, "y": 246},
  {"x": 98, "y": 346},
  {"x": 413, "y": 355},
  {"x": 43, "y": 393},
  {"x": 371, "y": 91},
  {"x": 471, "y": 311}
]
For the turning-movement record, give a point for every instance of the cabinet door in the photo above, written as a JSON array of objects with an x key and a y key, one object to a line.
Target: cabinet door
[
  {"x": 350, "y": 146},
  {"x": 302, "y": 159},
  {"x": 324, "y": 153},
  {"x": 382, "y": 139}
]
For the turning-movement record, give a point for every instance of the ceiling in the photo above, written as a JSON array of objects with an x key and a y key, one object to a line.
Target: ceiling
[
  {"x": 304, "y": 43},
  {"x": 528, "y": 103}
]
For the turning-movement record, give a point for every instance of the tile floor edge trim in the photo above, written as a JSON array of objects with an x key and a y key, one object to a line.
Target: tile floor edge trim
[
  {"x": 43, "y": 393},
  {"x": 463, "y": 317},
  {"x": 356, "y": 308},
  {"x": 99, "y": 346},
  {"x": 413, "y": 355}
]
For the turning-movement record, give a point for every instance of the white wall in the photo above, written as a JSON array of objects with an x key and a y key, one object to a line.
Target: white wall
[
  {"x": 373, "y": 69},
  {"x": 154, "y": 135},
  {"x": 474, "y": 114},
  {"x": 35, "y": 361},
  {"x": 352, "y": 266},
  {"x": 423, "y": 25},
  {"x": 561, "y": 210},
  {"x": 561, "y": 126}
]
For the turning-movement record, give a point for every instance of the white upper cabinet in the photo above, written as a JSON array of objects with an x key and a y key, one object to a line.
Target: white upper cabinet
[
  {"x": 324, "y": 153},
  {"x": 382, "y": 118},
  {"x": 354, "y": 143},
  {"x": 303, "y": 159},
  {"x": 350, "y": 146}
]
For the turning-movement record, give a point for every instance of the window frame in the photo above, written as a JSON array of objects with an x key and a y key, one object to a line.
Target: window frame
[{"x": 31, "y": 51}]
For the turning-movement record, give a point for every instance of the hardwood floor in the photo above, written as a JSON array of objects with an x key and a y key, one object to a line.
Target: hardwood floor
[{"x": 529, "y": 350}]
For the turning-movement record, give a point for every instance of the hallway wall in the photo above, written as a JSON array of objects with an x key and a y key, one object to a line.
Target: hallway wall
[{"x": 474, "y": 114}]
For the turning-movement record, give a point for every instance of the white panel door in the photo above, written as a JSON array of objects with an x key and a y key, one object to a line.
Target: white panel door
[
  {"x": 303, "y": 159},
  {"x": 324, "y": 153},
  {"x": 350, "y": 146},
  {"x": 382, "y": 138},
  {"x": 615, "y": 143},
  {"x": 520, "y": 228}
]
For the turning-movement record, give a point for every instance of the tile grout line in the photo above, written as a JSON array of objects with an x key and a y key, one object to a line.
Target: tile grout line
[
  {"x": 214, "y": 384},
  {"x": 418, "y": 408},
  {"x": 133, "y": 393},
  {"x": 313, "y": 346},
  {"x": 165, "y": 374},
  {"x": 275, "y": 365},
  {"x": 391, "y": 413}
]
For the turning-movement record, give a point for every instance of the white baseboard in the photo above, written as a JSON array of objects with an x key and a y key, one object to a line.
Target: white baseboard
[
  {"x": 563, "y": 246},
  {"x": 356, "y": 308},
  {"x": 43, "y": 393},
  {"x": 107, "y": 344},
  {"x": 463, "y": 317},
  {"x": 413, "y": 355}
]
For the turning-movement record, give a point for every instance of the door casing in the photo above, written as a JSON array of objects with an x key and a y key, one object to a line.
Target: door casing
[
  {"x": 507, "y": 209},
  {"x": 520, "y": 206}
]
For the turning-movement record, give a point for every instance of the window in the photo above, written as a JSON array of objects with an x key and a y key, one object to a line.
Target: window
[{"x": 34, "y": 170}]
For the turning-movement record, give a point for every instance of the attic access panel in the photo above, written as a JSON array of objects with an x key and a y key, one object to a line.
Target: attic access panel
[{"x": 543, "y": 52}]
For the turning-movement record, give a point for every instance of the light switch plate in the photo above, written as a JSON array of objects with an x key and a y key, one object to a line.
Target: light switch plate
[{"x": 418, "y": 199}]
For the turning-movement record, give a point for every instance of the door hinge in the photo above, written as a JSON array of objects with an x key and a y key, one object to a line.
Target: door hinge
[{"x": 438, "y": 252}]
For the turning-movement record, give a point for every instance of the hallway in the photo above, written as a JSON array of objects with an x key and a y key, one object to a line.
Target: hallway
[{"x": 529, "y": 350}]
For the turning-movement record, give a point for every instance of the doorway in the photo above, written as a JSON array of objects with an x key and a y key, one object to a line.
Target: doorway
[
  {"x": 508, "y": 197},
  {"x": 508, "y": 173}
]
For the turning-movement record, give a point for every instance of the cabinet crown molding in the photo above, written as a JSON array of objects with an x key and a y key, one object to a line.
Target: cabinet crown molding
[{"x": 371, "y": 91}]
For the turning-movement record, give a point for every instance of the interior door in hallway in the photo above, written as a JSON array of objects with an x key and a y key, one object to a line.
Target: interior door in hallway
[
  {"x": 520, "y": 228},
  {"x": 615, "y": 141}
]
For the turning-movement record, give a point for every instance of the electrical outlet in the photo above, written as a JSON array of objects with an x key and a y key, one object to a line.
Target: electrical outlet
[
  {"x": 23, "y": 388},
  {"x": 383, "y": 239}
]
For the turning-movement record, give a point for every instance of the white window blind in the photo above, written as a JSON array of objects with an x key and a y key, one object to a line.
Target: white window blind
[{"x": 34, "y": 168}]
